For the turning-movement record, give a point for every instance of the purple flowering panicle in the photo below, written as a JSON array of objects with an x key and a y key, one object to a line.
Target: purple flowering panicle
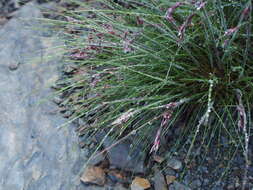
[
  {"x": 169, "y": 16},
  {"x": 170, "y": 11},
  {"x": 79, "y": 55},
  {"x": 228, "y": 33},
  {"x": 246, "y": 12},
  {"x": 127, "y": 43},
  {"x": 156, "y": 143},
  {"x": 231, "y": 31},
  {"x": 200, "y": 4},
  {"x": 124, "y": 117},
  {"x": 242, "y": 122},
  {"x": 183, "y": 27},
  {"x": 242, "y": 126},
  {"x": 139, "y": 20},
  {"x": 165, "y": 119}
]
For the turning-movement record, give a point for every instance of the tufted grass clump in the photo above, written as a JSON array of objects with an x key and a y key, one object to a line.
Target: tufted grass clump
[{"x": 145, "y": 68}]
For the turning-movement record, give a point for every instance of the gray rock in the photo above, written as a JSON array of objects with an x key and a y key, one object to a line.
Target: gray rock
[
  {"x": 188, "y": 177},
  {"x": 159, "y": 181},
  {"x": 67, "y": 114},
  {"x": 57, "y": 100},
  {"x": 169, "y": 171},
  {"x": 178, "y": 186},
  {"x": 96, "y": 160},
  {"x": 174, "y": 164},
  {"x": 81, "y": 122},
  {"x": 8, "y": 6},
  {"x": 119, "y": 187},
  {"x": 206, "y": 182},
  {"x": 93, "y": 187},
  {"x": 217, "y": 188},
  {"x": 224, "y": 141},
  {"x": 35, "y": 153},
  {"x": 68, "y": 69},
  {"x": 122, "y": 155},
  {"x": 230, "y": 187},
  {"x": 239, "y": 160},
  {"x": 196, "y": 184},
  {"x": 203, "y": 169},
  {"x": 218, "y": 185}
]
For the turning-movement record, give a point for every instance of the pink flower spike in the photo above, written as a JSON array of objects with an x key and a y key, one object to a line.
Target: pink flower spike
[
  {"x": 156, "y": 144},
  {"x": 184, "y": 26},
  {"x": 170, "y": 11},
  {"x": 126, "y": 46},
  {"x": 246, "y": 11},
  {"x": 139, "y": 21},
  {"x": 79, "y": 55},
  {"x": 171, "y": 105},
  {"x": 230, "y": 31},
  {"x": 242, "y": 122},
  {"x": 225, "y": 43},
  {"x": 199, "y": 5}
]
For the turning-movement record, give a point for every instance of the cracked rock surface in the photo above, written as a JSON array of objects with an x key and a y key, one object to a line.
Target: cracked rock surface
[{"x": 35, "y": 153}]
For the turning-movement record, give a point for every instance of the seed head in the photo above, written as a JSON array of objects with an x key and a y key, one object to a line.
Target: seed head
[{"x": 170, "y": 11}]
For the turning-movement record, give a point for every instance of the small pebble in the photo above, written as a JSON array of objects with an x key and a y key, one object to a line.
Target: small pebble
[
  {"x": 178, "y": 186},
  {"x": 196, "y": 183},
  {"x": 140, "y": 184},
  {"x": 170, "y": 179},
  {"x": 159, "y": 181},
  {"x": 67, "y": 114},
  {"x": 174, "y": 164},
  {"x": 94, "y": 175},
  {"x": 169, "y": 171},
  {"x": 57, "y": 100}
]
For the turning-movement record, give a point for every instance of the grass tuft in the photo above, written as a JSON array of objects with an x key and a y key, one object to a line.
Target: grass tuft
[{"x": 146, "y": 66}]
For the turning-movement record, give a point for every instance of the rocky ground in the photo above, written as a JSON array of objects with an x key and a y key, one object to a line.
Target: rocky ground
[
  {"x": 38, "y": 155},
  {"x": 218, "y": 167}
]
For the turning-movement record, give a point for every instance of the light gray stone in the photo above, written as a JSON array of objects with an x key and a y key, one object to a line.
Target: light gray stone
[
  {"x": 159, "y": 181},
  {"x": 196, "y": 183},
  {"x": 122, "y": 155},
  {"x": 35, "y": 153},
  {"x": 178, "y": 186},
  {"x": 174, "y": 164}
]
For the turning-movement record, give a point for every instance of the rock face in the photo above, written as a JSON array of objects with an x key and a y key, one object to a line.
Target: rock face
[{"x": 35, "y": 154}]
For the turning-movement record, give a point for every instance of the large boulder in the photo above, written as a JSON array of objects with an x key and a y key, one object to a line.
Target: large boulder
[{"x": 36, "y": 154}]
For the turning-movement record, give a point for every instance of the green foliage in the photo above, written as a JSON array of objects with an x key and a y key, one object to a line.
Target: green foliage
[{"x": 136, "y": 57}]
